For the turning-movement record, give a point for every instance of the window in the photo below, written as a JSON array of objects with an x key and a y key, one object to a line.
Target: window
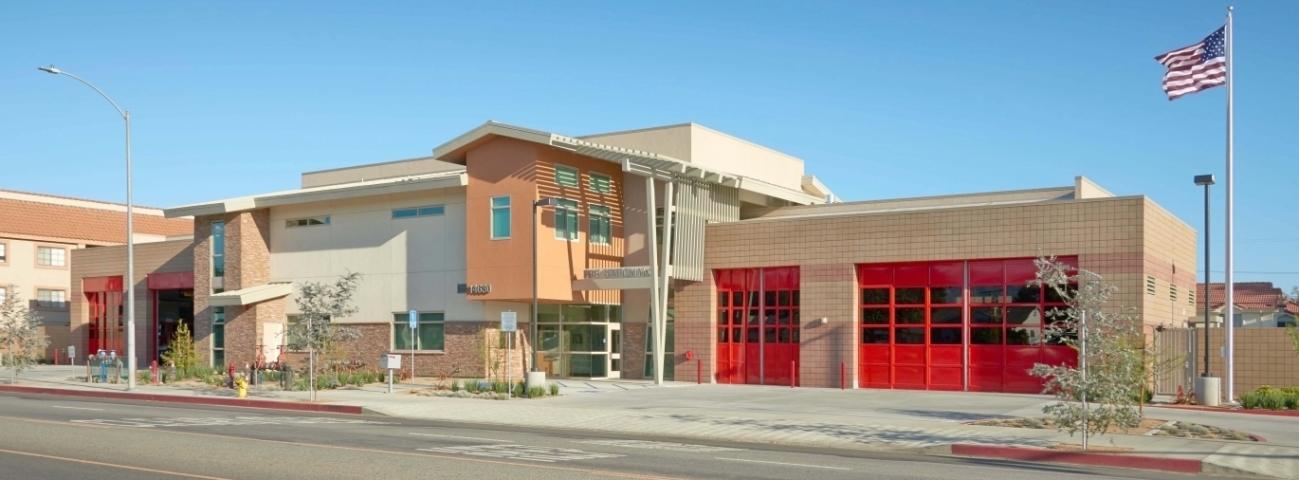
[
  {"x": 51, "y": 299},
  {"x": 218, "y": 334},
  {"x": 566, "y": 176},
  {"x": 428, "y": 332},
  {"x": 4, "y": 253},
  {"x": 501, "y": 217},
  {"x": 51, "y": 257},
  {"x": 600, "y": 183},
  {"x": 1190, "y": 298},
  {"x": 1172, "y": 292},
  {"x": 307, "y": 222},
  {"x": 1150, "y": 286},
  {"x": 218, "y": 249},
  {"x": 600, "y": 225},
  {"x": 428, "y": 211},
  {"x": 566, "y": 219}
]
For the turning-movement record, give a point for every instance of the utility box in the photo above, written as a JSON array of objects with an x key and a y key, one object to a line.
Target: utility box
[{"x": 390, "y": 362}]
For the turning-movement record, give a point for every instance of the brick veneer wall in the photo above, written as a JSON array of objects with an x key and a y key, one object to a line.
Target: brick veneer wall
[
  {"x": 1264, "y": 356},
  {"x": 464, "y": 355},
  {"x": 1123, "y": 238}
]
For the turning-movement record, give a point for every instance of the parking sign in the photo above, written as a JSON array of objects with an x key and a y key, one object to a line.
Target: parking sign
[{"x": 509, "y": 321}]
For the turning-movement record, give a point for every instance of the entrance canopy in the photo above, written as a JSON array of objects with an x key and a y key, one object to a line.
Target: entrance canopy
[{"x": 251, "y": 295}]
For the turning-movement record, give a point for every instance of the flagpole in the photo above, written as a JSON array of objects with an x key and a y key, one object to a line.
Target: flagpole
[{"x": 1230, "y": 300}]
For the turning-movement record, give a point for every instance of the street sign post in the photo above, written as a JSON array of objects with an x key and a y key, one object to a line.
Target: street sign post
[
  {"x": 413, "y": 319},
  {"x": 509, "y": 325}
]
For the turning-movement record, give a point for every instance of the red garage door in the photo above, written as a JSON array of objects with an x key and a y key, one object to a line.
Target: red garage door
[
  {"x": 757, "y": 325},
  {"x": 919, "y": 321}
]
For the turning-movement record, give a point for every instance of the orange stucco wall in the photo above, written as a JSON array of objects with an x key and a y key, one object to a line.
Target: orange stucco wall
[{"x": 526, "y": 171}]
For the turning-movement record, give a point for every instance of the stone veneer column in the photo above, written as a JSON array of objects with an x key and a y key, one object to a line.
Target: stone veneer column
[{"x": 247, "y": 264}]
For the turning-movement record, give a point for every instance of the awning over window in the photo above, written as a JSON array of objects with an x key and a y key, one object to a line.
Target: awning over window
[{"x": 251, "y": 295}]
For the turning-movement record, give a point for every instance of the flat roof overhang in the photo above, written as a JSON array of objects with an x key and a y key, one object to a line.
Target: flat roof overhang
[
  {"x": 647, "y": 164},
  {"x": 330, "y": 192},
  {"x": 251, "y": 295}
]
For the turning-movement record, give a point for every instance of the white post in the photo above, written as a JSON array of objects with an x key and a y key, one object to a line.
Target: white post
[
  {"x": 412, "y": 353},
  {"x": 1230, "y": 300},
  {"x": 130, "y": 265},
  {"x": 509, "y": 363},
  {"x": 652, "y": 245},
  {"x": 661, "y": 331}
]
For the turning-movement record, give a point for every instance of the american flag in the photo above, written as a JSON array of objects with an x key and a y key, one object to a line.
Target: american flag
[{"x": 1197, "y": 67}]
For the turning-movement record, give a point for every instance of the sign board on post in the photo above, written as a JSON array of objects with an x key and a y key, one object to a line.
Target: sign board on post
[
  {"x": 413, "y": 318},
  {"x": 509, "y": 325}
]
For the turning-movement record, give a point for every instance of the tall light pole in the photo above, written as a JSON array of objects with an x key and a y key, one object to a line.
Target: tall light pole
[
  {"x": 1205, "y": 387},
  {"x": 130, "y": 231},
  {"x": 536, "y": 377}
]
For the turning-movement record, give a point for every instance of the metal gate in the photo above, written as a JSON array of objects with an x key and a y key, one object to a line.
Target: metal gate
[{"x": 1177, "y": 346}]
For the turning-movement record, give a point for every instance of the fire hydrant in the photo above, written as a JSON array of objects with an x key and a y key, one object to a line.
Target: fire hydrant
[{"x": 241, "y": 385}]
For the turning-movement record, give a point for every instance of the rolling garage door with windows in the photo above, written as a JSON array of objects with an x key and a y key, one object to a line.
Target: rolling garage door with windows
[
  {"x": 955, "y": 325},
  {"x": 757, "y": 325}
]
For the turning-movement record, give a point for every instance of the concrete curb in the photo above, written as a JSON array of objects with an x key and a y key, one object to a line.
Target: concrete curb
[
  {"x": 1275, "y": 413},
  {"x": 1115, "y": 460},
  {"x": 220, "y": 401}
]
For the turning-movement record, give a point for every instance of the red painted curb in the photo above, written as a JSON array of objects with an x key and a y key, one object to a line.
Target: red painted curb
[
  {"x": 153, "y": 397},
  {"x": 1275, "y": 413},
  {"x": 1118, "y": 460}
]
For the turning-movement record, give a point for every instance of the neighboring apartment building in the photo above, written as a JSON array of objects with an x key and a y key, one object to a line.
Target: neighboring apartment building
[
  {"x": 772, "y": 281},
  {"x": 1258, "y": 305},
  {"x": 38, "y": 235}
]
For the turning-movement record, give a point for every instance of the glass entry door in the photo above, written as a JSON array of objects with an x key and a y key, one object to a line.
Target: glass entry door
[{"x": 615, "y": 350}]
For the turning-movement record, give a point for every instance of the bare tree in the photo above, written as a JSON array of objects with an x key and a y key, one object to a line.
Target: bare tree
[
  {"x": 20, "y": 334},
  {"x": 1104, "y": 390},
  {"x": 319, "y": 304}
]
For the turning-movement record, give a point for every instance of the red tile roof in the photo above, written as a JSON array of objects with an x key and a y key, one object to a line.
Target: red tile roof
[
  {"x": 1248, "y": 295},
  {"x": 20, "y": 217}
]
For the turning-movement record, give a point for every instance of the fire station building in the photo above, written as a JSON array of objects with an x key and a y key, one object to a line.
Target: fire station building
[{"x": 759, "y": 273}]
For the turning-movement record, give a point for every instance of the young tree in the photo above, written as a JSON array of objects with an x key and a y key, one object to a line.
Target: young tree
[
  {"x": 182, "y": 352},
  {"x": 1104, "y": 390},
  {"x": 20, "y": 334},
  {"x": 319, "y": 304}
]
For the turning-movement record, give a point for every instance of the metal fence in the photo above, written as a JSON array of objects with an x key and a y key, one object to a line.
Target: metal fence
[{"x": 1175, "y": 345}]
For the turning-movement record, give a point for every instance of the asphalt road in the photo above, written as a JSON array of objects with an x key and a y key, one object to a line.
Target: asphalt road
[{"x": 50, "y": 437}]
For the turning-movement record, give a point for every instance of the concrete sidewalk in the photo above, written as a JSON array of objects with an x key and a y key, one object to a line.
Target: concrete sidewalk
[{"x": 929, "y": 422}]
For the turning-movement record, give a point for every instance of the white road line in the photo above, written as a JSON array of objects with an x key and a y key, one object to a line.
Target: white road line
[
  {"x": 781, "y": 463},
  {"x": 79, "y": 408},
  {"x": 457, "y": 436}
]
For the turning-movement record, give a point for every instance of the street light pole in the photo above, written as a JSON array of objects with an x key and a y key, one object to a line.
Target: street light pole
[
  {"x": 130, "y": 231},
  {"x": 533, "y": 373},
  {"x": 1206, "y": 384}
]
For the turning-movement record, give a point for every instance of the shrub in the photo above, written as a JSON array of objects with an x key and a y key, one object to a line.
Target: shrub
[
  {"x": 536, "y": 392},
  {"x": 473, "y": 387},
  {"x": 1292, "y": 401},
  {"x": 500, "y": 387},
  {"x": 455, "y": 386},
  {"x": 1273, "y": 400},
  {"x": 1250, "y": 400},
  {"x": 554, "y": 389},
  {"x": 520, "y": 390}
]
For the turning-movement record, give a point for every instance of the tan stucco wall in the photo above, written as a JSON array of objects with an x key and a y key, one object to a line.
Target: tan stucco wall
[
  {"x": 20, "y": 273},
  {"x": 408, "y": 263}
]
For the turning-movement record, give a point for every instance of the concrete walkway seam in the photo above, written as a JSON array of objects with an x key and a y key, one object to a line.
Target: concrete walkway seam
[{"x": 218, "y": 401}]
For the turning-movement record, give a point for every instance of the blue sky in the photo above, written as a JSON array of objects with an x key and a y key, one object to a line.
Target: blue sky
[{"x": 882, "y": 99}]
